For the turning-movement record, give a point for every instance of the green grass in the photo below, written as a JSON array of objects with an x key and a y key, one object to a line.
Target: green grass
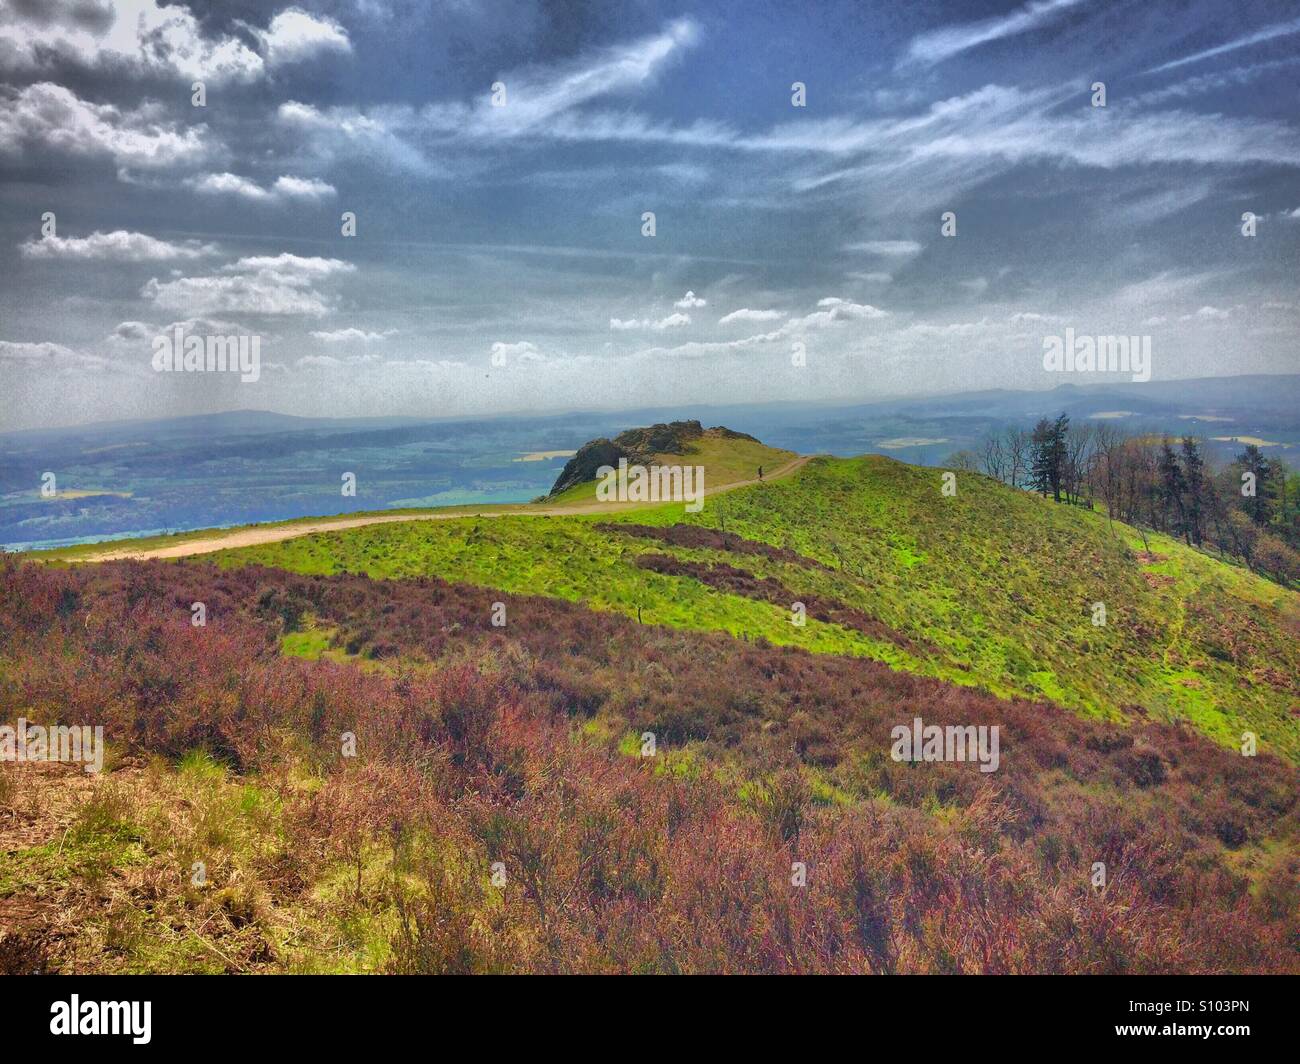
[{"x": 1001, "y": 583}]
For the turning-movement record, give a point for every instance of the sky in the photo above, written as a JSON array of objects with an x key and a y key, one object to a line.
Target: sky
[{"x": 500, "y": 158}]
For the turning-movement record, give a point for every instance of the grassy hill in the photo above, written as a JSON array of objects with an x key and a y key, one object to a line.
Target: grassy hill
[
  {"x": 376, "y": 775},
  {"x": 991, "y": 587},
  {"x": 727, "y": 457}
]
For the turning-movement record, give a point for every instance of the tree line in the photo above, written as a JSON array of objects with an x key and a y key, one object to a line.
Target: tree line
[{"x": 1248, "y": 509}]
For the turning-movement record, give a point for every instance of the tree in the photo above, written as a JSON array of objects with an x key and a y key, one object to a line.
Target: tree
[
  {"x": 1263, "y": 504},
  {"x": 1049, "y": 455},
  {"x": 1196, "y": 487},
  {"x": 1019, "y": 451},
  {"x": 966, "y": 461},
  {"x": 1173, "y": 489}
]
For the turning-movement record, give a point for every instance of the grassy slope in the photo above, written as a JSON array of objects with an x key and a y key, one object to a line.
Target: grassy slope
[{"x": 1000, "y": 585}]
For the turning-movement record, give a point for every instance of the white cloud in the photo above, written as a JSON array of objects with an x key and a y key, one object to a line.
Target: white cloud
[
  {"x": 745, "y": 314},
  {"x": 288, "y": 265},
  {"x": 117, "y": 246},
  {"x": 690, "y": 301},
  {"x": 540, "y": 101},
  {"x": 136, "y": 37},
  {"x": 834, "y": 310},
  {"x": 48, "y": 115},
  {"x": 1268, "y": 33},
  {"x": 934, "y": 46},
  {"x": 887, "y": 248},
  {"x": 673, "y": 321},
  {"x": 284, "y": 188},
  {"x": 143, "y": 37},
  {"x": 342, "y": 336},
  {"x": 308, "y": 188},
  {"x": 294, "y": 35},
  {"x": 521, "y": 351},
  {"x": 50, "y": 358},
  {"x": 330, "y": 361},
  {"x": 534, "y": 96},
  {"x": 274, "y": 285}
]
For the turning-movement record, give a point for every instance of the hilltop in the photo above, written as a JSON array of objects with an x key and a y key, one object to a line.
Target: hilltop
[{"x": 726, "y": 455}]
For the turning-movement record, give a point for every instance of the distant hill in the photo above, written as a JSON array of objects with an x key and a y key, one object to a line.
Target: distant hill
[{"x": 640, "y": 447}]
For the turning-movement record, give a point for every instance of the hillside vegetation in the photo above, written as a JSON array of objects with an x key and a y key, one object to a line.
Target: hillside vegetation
[
  {"x": 601, "y": 742},
  {"x": 500, "y": 810},
  {"x": 990, "y": 587}
]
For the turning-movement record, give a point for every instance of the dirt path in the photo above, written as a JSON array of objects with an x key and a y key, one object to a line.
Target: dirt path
[{"x": 256, "y": 536}]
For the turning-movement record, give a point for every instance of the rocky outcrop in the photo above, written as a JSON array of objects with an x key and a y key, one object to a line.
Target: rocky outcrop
[{"x": 638, "y": 446}]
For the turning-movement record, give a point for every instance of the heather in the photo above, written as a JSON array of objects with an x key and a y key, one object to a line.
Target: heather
[{"x": 515, "y": 751}]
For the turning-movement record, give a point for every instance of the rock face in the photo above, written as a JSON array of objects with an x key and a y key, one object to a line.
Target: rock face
[{"x": 638, "y": 446}]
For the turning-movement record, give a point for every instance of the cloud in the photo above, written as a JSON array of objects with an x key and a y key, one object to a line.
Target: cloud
[
  {"x": 835, "y": 309},
  {"x": 117, "y": 246},
  {"x": 534, "y": 96},
  {"x": 294, "y": 35},
  {"x": 1208, "y": 313},
  {"x": 1268, "y": 33},
  {"x": 284, "y": 188},
  {"x": 136, "y": 335},
  {"x": 673, "y": 321},
  {"x": 521, "y": 351},
  {"x": 342, "y": 336},
  {"x": 273, "y": 285},
  {"x": 690, "y": 301},
  {"x": 137, "y": 38},
  {"x": 887, "y": 248},
  {"x": 289, "y": 265},
  {"x": 306, "y": 188},
  {"x": 539, "y": 101},
  {"x": 48, "y": 115},
  {"x": 934, "y": 46},
  {"x": 50, "y": 358},
  {"x": 745, "y": 314},
  {"x": 146, "y": 38},
  {"x": 330, "y": 361}
]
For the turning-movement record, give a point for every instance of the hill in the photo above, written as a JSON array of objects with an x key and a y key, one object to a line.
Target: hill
[
  {"x": 726, "y": 456},
  {"x": 992, "y": 587},
  {"x": 499, "y": 677}
]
